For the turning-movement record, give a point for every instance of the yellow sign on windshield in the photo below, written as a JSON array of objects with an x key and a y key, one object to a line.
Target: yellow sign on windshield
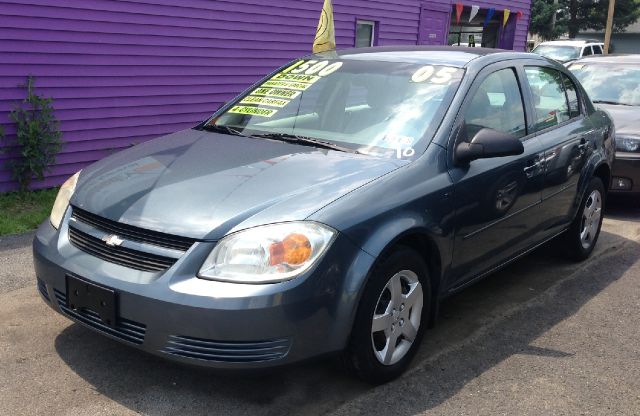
[{"x": 253, "y": 111}]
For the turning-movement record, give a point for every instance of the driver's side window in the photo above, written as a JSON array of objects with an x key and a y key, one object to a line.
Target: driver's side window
[{"x": 497, "y": 105}]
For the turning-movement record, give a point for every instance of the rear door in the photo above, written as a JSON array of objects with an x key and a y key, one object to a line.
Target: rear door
[
  {"x": 567, "y": 137},
  {"x": 434, "y": 24},
  {"x": 496, "y": 200}
]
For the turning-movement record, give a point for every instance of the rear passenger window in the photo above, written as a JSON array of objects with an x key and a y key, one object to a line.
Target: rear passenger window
[
  {"x": 597, "y": 49},
  {"x": 587, "y": 51},
  {"x": 572, "y": 97},
  {"x": 497, "y": 105},
  {"x": 549, "y": 98}
]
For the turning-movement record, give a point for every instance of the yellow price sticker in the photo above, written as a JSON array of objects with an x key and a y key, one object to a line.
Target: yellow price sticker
[
  {"x": 273, "y": 102},
  {"x": 253, "y": 111},
  {"x": 287, "y": 84},
  {"x": 275, "y": 92},
  {"x": 296, "y": 77}
]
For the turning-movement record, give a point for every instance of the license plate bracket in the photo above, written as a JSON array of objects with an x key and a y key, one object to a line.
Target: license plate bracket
[{"x": 83, "y": 295}]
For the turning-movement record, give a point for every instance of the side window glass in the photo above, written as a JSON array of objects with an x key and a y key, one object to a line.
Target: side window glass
[
  {"x": 572, "y": 97},
  {"x": 497, "y": 105},
  {"x": 549, "y": 99},
  {"x": 597, "y": 49},
  {"x": 587, "y": 51}
]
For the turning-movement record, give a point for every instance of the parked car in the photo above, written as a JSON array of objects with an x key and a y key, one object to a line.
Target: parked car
[
  {"x": 330, "y": 207},
  {"x": 613, "y": 83},
  {"x": 566, "y": 51}
]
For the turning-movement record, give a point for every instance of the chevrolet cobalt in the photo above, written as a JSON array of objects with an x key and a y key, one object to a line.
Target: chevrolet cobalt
[{"x": 330, "y": 208}]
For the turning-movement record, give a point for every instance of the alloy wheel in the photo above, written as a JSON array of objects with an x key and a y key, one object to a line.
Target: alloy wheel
[
  {"x": 396, "y": 318},
  {"x": 591, "y": 215}
]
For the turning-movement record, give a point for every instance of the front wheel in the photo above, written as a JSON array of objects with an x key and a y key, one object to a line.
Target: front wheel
[
  {"x": 581, "y": 237},
  {"x": 391, "y": 317}
]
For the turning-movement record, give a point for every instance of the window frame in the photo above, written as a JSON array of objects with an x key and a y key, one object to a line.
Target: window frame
[
  {"x": 365, "y": 22},
  {"x": 456, "y": 135},
  {"x": 565, "y": 78},
  {"x": 535, "y": 132}
]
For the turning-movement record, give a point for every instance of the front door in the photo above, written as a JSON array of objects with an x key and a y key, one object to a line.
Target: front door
[
  {"x": 497, "y": 199},
  {"x": 434, "y": 24}
]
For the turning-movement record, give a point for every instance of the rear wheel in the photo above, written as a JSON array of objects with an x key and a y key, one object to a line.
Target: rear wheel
[
  {"x": 391, "y": 317},
  {"x": 581, "y": 237}
]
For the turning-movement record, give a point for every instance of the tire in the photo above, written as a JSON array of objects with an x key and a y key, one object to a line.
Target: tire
[
  {"x": 581, "y": 237},
  {"x": 398, "y": 294}
]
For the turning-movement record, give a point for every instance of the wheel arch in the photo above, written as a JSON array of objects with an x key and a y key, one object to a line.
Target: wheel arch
[{"x": 420, "y": 240}]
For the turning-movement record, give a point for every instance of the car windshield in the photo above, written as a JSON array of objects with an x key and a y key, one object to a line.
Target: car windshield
[
  {"x": 610, "y": 83},
  {"x": 379, "y": 108},
  {"x": 559, "y": 53}
]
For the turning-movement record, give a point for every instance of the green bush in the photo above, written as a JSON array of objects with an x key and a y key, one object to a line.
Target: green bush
[{"x": 37, "y": 138}]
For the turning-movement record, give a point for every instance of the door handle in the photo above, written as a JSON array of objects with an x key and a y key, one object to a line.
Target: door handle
[
  {"x": 530, "y": 169},
  {"x": 583, "y": 144}
]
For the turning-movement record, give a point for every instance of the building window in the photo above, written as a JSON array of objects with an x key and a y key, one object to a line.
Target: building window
[{"x": 365, "y": 33}]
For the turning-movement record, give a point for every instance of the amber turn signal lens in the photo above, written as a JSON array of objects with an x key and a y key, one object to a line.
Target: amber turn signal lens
[{"x": 294, "y": 249}]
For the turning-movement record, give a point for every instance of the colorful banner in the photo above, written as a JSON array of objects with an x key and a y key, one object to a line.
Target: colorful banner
[
  {"x": 505, "y": 17},
  {"x": 474, "y": 12},
  {"x": 487, "y": 19},
  {"x": 459, "y": 8}
]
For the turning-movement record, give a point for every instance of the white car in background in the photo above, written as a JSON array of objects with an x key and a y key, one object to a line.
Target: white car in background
[{"x": 567, "y": 51}]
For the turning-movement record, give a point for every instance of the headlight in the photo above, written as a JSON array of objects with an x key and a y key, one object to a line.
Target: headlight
[
  {"x": 628, "y": 144},
  {"x": 267, "y": 254},
  {"x": 62, "y": 200}
]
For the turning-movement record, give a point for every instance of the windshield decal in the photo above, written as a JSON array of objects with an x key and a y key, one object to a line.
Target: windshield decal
[
  {"x": 313, "y": 66},
  {"x": 253, "y": 111},
  {"x": 280, "y": 89},
  {"x": 302, "y": 86},
  {"x": 295, "y": 77},
  {"x": 273, "y": 102},
  {"x": 436, "y": 74},
  {"x": 276, "y": 92}
]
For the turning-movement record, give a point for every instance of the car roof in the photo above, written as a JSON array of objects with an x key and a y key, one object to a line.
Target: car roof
[
  {"x": 458, "y": 56},
  {"x": 572, "y": 42},
  {"x": 611, "y": 59}
]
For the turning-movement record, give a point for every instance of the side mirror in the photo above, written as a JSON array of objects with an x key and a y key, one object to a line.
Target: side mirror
[{"x": 488, "y": 143}]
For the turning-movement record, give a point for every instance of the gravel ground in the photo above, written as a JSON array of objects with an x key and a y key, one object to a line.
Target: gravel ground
[{"x": 543, "y": 336}]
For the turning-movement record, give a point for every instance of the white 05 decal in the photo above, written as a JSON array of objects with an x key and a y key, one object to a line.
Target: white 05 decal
[
  {"x": 428, "y": 73},
  {"x": 313, "y": 67}
]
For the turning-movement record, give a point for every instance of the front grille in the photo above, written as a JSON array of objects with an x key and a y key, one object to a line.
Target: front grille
[
  {"x": 129, "y": 232},
  {"x": 42, "y": 288},
  {"x": 204, "y": 349},
  {"x": 125, "y": 329},
  {"x": 123, "y": 256}
]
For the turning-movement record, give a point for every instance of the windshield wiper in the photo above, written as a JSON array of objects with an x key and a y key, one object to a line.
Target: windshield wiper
[
  {"x": 303, "y": 140},
  {"x": 610, "y": 102},
  {"x": 223, "y": 129}
]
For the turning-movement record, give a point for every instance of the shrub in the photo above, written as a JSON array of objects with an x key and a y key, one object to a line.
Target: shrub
[{"x": 37, "y": 138}]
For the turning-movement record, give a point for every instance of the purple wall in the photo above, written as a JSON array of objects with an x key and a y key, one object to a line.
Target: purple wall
[{"x": 122, "y": 72}]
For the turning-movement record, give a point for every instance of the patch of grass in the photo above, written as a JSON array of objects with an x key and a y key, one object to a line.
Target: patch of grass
[{"x": 21, "y": 212}]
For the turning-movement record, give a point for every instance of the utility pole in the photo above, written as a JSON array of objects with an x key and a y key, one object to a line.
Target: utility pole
[{"x": 607, "y": 32}]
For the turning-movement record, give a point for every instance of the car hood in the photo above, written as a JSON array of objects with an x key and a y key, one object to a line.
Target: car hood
[
  {"x": 625, "y": 118},
  {"x": 203, "y": 185}
]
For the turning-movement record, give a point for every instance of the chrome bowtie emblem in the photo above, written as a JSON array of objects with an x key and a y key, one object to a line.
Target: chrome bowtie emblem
[{"x": 112, "y": 240}]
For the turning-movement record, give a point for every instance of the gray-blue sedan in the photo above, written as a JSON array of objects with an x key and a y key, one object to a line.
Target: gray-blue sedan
[{"x": 330, "y": 207}]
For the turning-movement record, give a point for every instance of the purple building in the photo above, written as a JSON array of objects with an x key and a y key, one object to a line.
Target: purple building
[{"x": 121, "y": 72}]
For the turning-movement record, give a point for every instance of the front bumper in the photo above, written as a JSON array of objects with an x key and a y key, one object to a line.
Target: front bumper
[
  {"x": 176, "y": 315},
  {"x": 626, "y": 167}
]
